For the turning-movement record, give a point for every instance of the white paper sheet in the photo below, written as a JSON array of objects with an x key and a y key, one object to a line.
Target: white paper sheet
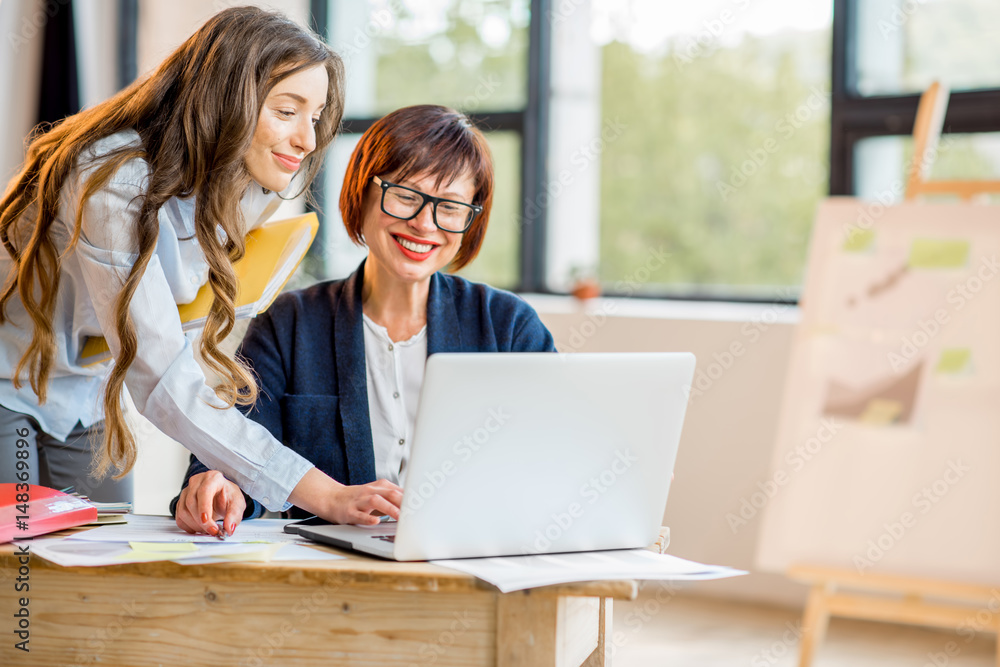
[
  {"x": 143, "y": 528},
  {"x": 82, "y": 553},
  {"x": 514, "y": 573},
  {"x": 287, "y": 552}
]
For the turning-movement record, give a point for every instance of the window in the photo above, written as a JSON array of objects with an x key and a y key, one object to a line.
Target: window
[
  {"x": 887, "y": 52},
  {"x": 880, "y": 162},
  {"x": 904, "y": 46},
  {"x": 721, "y": 157},
  {"x": 689, "y": 143},
  {"x": 470, "y": 55}
]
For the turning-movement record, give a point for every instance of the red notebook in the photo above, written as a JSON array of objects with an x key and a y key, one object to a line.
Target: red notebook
[{"x": 39, "y": 510}]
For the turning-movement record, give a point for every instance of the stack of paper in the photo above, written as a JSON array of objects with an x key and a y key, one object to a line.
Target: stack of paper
[
  {"x": 107, "y": 513},
  {"x": 514, "y": 573}
]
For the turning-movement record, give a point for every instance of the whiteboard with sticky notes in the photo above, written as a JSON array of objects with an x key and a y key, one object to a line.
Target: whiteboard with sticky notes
[{"x": 887, "y": 457}]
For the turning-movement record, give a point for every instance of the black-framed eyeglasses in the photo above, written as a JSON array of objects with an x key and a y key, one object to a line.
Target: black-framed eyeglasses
[{"x": 406, "y": 203}]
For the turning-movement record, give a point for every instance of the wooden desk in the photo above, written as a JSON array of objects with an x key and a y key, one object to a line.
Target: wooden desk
[{"x": 357, "y": 611}]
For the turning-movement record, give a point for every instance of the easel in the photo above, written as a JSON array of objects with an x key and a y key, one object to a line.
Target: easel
[
  {"x": 882, "y": 597},
  {"x": 891, "y": 599},
  {"x": 926, "y": 133}
]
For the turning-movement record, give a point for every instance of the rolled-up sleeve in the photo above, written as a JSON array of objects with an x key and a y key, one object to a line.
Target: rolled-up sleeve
[{"x": 165, "y": 381}]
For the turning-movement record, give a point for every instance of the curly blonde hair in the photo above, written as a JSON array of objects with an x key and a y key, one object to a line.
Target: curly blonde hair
[{"x": 196, "y": 116}]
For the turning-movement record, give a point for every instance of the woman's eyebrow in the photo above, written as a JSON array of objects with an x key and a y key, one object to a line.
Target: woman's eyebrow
[{"x": 298, "y": 98}]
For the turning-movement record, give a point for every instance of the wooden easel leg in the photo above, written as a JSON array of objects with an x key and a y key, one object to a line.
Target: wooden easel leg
[{"x": 814, "y": 624}]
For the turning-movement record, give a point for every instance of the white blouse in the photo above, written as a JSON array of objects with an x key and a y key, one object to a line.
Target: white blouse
[
  {"x": 394, "y": 372},
  {"x": 165, "y": 382}
]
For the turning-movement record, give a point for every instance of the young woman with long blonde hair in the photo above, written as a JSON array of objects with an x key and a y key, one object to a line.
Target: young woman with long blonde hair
[{"x": 125, "y": 210}]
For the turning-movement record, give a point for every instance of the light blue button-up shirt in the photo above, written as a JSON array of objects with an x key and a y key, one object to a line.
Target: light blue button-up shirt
[{"x": 165, "y": 382}]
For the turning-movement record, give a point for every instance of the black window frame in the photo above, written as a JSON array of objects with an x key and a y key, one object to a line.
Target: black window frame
[
  {"x": 854, "y": 117},
  {"x": 530, "y": 123}
]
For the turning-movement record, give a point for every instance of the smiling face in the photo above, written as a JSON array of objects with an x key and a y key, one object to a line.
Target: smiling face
[
  {"x": 285, "y": 132},
  {"x": 413, "y": 250}
]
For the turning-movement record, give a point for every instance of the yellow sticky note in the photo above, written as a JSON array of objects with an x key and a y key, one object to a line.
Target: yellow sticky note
[
  {"x": 953, "y": 360},
  {"x": 859, "y": 240},
  {"x": 163, "y": 547},
  {"x": 881, "y": 411},
  {"x": 938, "y": 254}
]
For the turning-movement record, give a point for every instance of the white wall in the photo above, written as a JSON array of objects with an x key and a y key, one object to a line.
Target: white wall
[
  {"x": 164, "y": 25},
  {"x": 22, "y": 23},
  {"x": 96, "y": 25}
]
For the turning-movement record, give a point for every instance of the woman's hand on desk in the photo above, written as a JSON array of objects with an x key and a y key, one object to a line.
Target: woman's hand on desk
[
  {"x": 325, "y": 497},
  {"x": 208, "y": 497},
  {"x": 364, "y": 503}
]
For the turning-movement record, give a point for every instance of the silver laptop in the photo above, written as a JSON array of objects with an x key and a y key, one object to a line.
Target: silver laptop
[{"x": 517, "y": 454}]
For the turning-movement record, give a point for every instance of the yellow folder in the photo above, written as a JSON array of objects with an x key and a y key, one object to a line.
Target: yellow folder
[{"x": 273, "y": 251}]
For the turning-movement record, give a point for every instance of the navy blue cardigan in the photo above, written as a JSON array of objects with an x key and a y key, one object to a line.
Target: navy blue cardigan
[{"x": 308, "y": 352}]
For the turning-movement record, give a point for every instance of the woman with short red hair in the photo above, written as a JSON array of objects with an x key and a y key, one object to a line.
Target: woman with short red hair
[{"x": 340, "y": 364}]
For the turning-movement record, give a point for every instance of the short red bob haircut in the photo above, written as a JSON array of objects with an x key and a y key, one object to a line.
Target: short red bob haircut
[{"x": 418, "y": 140}]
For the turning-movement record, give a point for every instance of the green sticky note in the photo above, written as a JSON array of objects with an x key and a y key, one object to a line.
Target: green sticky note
[
  {"x": 859, "y": 240},
  {"x": 953, "y": 360},
  {"x": 162, "y": 547},
  {"x": 938, "y": 254}
]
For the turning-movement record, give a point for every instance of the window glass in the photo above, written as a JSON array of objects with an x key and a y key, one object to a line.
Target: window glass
[
  {"x": 881, "y": 163},
  {"x": 723, "y": 155},
  {"x": 467, "y": 54},
  {"x": 905, "y": 45}
]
